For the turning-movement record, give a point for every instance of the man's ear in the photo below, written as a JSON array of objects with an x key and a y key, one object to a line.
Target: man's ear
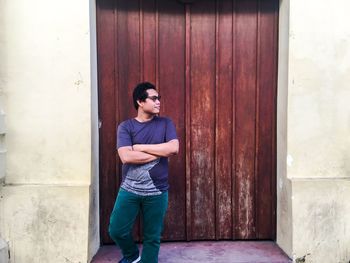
[{"x": 139, "y": 102}]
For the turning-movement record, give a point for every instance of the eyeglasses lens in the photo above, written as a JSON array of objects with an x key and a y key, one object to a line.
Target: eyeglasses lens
[{"x": 154, "y": 98}]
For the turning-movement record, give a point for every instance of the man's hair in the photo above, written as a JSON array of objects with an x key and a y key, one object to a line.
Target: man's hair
[{"x": 140, "y": 92}]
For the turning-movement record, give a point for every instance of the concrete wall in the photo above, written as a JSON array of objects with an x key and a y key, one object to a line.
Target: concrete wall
[
  {"x": 4, "y": 255},
  {"x": 284, "y": 186},
  {"x": 94, "y": 211},
  {"x": 318, "y": 128},
  {"x": 47, "y": 81}
]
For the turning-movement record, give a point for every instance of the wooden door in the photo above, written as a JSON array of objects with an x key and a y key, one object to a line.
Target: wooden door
[{"x": 215, "y": 64}]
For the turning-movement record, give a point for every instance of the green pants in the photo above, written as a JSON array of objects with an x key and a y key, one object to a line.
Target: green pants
[{"x": 126, "y": 208}]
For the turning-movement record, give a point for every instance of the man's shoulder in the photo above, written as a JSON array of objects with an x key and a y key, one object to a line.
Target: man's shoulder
[
  {"x": 126, "y": 123},
  {"x": 163, "y": 119}
]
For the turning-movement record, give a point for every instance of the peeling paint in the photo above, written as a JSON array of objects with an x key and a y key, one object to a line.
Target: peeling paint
[
  {"x": 301, "y": 259},
  {"x": 79, "y": 81}
]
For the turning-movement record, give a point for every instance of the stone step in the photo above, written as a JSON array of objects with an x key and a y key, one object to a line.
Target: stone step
[{"x": 207, "y": 252}]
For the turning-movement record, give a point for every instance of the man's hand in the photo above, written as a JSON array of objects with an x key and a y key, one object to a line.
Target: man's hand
[{"x": 162, "y": 149}]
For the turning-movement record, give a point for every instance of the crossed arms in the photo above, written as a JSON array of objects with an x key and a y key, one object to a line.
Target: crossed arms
[{"x": 144, "y": 153}]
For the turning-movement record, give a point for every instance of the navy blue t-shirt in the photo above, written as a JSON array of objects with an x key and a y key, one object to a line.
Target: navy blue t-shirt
[{"x": 149, "y": 178}]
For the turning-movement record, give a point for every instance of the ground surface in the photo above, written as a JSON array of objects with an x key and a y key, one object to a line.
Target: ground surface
[{"x": 206, "y": 252}]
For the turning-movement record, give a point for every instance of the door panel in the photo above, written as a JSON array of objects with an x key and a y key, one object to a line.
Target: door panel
[{"x": 214, "y": 62}]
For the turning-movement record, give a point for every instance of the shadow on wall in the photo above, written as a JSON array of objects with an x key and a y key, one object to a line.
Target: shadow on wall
[
  {"x": 4, "y": 252},
  {"x": 148, "y": 6}
]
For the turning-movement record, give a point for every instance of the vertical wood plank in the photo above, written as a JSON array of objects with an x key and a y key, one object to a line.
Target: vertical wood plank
[
  {"x": 157, "y": 44},
  {"x": 223, "y": 142},
  {"x": 117, "y": 163},
  {"x": 246, "y": 32},
  {"x": 149, "y": 60},
  {"x": 274, "y": 122},
  {"x": 172, "y": 86},
  {"x": 233, "y": 103},
  {"x": 216, "y": 181},
  {"x": 129, "y": 57},
  {"x": 257, "y": 120},
  {"x": 141, "y": 45},
  {"x": 188, "y": 121},
  {"x": 106, "y": 82},
  {"x": 202, "y": 119},
  {"x": 266, "y": 126}
]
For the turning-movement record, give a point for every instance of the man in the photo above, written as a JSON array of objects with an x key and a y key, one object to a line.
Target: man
[{"x": 143, "y": 144}]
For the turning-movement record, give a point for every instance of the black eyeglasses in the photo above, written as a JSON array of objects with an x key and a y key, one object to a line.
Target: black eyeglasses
[{"x": 154, "y": 98}]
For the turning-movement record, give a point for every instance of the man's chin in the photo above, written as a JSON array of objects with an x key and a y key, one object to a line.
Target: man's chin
[{"x": 153, "y": 112}]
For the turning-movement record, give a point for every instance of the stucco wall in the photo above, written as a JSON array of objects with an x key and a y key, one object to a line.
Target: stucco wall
[
  {"x": 318, "y": 140},
  {"x": 46, "y": 80},
  {"x": 284, "y": 186},
  {"x": 94, "y": 212}
]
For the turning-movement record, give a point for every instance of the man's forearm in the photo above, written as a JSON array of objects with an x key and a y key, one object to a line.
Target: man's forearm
[
  {"x": 163, "y": 149},
  {"x": 137, "y": 157}
]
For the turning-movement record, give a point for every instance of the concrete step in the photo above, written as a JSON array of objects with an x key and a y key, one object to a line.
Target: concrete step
[
  {"x": 207, "y": 252},
  {"x": 4, "y": 254}
]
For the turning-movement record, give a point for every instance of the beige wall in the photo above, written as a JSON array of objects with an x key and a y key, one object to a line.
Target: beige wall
[
  {"x": 319, "y": 90},
  {"x": 318, "y": 128},
  {"x": 284, "y": 186},
  {"x": 321, "y": 216},
  {"x": 94, "y": 212},
  {"x": 46, "y": 80},
  {"x": 47, "y": 88}
]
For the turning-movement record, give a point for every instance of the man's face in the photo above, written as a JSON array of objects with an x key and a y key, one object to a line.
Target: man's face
[{"x": 152, "y": 104}]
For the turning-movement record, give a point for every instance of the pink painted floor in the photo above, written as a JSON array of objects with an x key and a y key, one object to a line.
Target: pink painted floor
[{"x": 207, "y": 251}]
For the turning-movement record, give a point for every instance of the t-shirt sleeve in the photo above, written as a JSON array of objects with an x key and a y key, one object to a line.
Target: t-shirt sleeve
[
  {"x": 123, "y": 136},
  {"x": 170, "y": 131}
]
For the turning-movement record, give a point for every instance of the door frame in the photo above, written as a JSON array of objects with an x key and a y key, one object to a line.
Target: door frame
[{"x": 276, "y": 140}]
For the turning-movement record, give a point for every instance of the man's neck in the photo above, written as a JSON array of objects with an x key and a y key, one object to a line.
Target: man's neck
[{"x": 144, "y": 117}]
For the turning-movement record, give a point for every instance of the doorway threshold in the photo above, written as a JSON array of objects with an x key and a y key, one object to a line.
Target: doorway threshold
[{"x": 207, "y": 252}]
